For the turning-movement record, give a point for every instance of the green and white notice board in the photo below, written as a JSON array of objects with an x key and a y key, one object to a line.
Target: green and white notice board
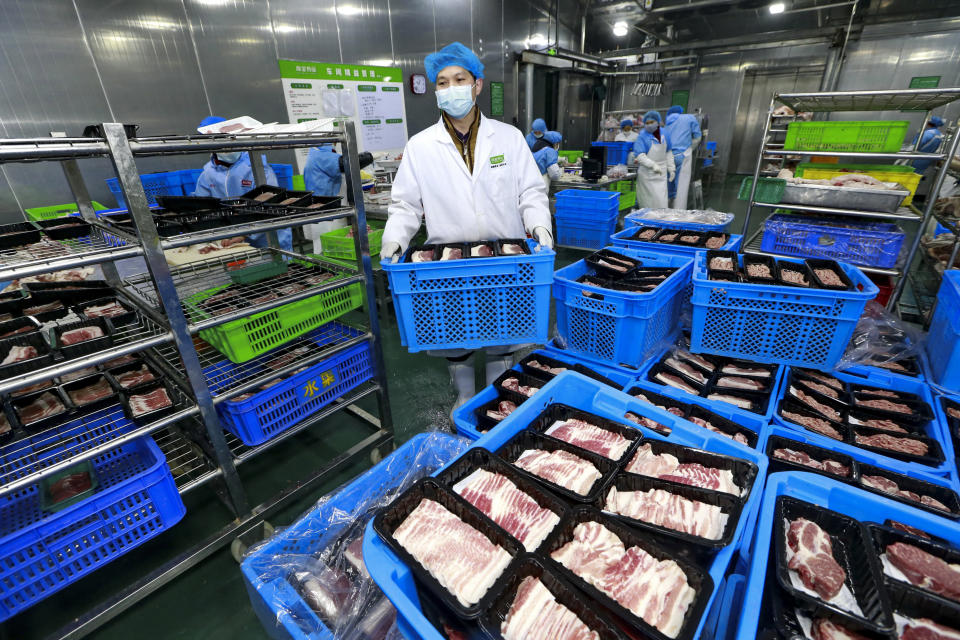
[{"x": 370, "y": 96}]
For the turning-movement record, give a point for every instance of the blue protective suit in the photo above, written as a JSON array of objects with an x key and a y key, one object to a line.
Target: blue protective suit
[
  {"x": 546, "y": 157},
  {"x": 645, "y": 140},
  {"x": 322, "y": 174},
  {"x": 213, "y": 181},
  {"x": 237, "y": 180},
  {"x": 929, "y": 143},
  {"x": 538, "y": 125},
  {"x": 682, "y": 129}
]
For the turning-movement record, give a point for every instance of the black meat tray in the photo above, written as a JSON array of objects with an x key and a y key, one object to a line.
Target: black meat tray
[
  {"x": 933, "y": 458},
  {"x": 390, "y": 518},
  {"x": 529, "y": 439},
  {"x": 698, "y": 579},
  {"x": 953, "y": 424},
  {"x": 898, "y": 526},
  {"x": 811, "y": 383},
  {"x": 100, "y": 286},
  {"x": 485, "y": 422},
  {"x": 648, "y": 232},
  {"x": 584, "y": 370},
  {"x": 18, "y": 323},
  {"x": 18, "y": 234},
  {"x": 44, "y": 423},
  {"x": 691, "y": 238},
  {"x": 68, "y": 231},
  {"x": 669, "y": 236},
  {"x": 913, "y": 605},
  {"x": 729, "y": 427},
  {"x": 794, "y": 406},
  {"x": 712, "y": 235},
  {"x": 316, "y": 203},
  {"x": 817, "y": 376},
  {"x": 920, "y": 412},
  {"x": 80, "y": 383},
  {"x": 112, "y": 373},
  {"x": 799, "y": 267},
  {"x": 543, "y": 359},
  {"x": 659, "y": 400},
  {"x": 674, "y": 364},
  {"x": 258, "y": 194},
  {"x": 522, "y": 242},
  {"x": 470, "y": 246},
  {"x": 156, "y": 414},
  {"x": 480, "y": 458},
  {"x": 819, "y": 454},
  {"x": 834, "y": 410},
  {"x": 749, "y": 369},
  {"x": 11, "y": 433},
  {"x": 884, "y": 536},
  {"x": 910, "y": 365},
  {"x": 785, "y": 609},
  {"x": 694, "y": 359},
  {"x": 766, "y": 261},
  {"x": 69, "y": 298},
  {"x": 647, "y": 422},
  {"x": 129, "y": 316},
  {"x": 865, "y": 390},
  {"x": 757, "y": 401},
  {"x": 856, "y": 419},
  {"x": 609, "y": 256},
  {"x": 498, "y": 607},
  {"x": 944, "y": 495},
  {"x": 556, "y": 412},
  {"x": 744, "y": 472},
  {"x": 820, "y": 263},
  {"x": 87, "y": 346},
  {"x": 464, "y": 251},
  {"x": 525, "y": 381},
  {"x": 661, "y": 368},
  {"x": 723, "y": 276},
  {"x": 729, "y": 505},
  {"x": 188, "y": 204},
  {"x": 851, "y": 550},
  {"x": 765, "y": 388},
  {"x": 35, "y": 340}
]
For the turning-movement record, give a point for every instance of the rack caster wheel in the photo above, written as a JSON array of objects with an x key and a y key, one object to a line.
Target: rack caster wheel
[
  {"x": 377, "y": 454},
  {"x": 238, "y": 548}
]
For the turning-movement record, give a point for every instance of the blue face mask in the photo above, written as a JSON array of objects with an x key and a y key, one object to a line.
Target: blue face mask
[
  {"x": 229, "y": 157},
  {"x": 456, "y": 101}
]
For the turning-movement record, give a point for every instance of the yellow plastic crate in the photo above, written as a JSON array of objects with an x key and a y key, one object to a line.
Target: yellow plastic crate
[{"x": 905, "y": 176}]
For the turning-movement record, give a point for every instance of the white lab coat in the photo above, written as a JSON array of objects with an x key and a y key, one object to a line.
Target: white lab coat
[
  {"x": 683, "y": 180},
  {"x": 626, "y": 137},
  {"x": 504, "y": 198},
  {"x": 652, "y": 186}
]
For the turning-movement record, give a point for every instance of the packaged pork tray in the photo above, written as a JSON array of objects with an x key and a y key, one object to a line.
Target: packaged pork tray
[{"x": 472, "y": 295}]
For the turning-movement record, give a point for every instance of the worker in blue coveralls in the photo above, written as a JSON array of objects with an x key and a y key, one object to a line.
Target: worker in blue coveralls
[
  {"x": 324, "y": 171},
  {"x": 685, "y": 135},
  {"x": 228, "y": 174},
  {"x": 535, "y": 138},
  {"x": 929, "y": 142}
]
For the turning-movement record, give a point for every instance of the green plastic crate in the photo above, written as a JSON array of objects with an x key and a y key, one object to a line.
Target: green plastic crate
[
  {"x": 247, "y": 338},
  {"x": 866, "y": 136},
  {"x": 337, "y": 244},
  {"x": 627, "y": 200},
  {"x": 298, "y": 184},
  {"x": 571, "y": 156},
  {"x": 59, "y": 210},
  {"x": 770, "y": 190}
]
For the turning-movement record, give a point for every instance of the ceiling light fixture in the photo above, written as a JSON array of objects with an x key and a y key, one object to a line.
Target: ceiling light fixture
[
  {"x": 777, "y": 7},
  {"x": 620, "y": 29}
]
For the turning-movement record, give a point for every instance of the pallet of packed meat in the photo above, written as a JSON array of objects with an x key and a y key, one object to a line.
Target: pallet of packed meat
[
  {"x": 568, "y": 502},
  {"x": 890, "y": 418},
  {"x": 472, "y": 295},
  {"x": 786, "y": 311},
  {"x": 832, "y": 561}
]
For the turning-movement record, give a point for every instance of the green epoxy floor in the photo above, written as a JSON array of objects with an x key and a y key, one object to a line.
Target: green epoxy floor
[{"x": 210, "y": 600}]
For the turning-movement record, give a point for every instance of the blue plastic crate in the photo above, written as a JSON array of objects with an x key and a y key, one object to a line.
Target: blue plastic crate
[
  {"x": 587, "y": 201},
  {"x": 722, "y": 619},
  {"x": 584, "y": 234},
  {"x": 168, "y": 183},
  {"x": 774, "y": 323},
  {"x": 943, "y": 339},
  {"x": 277, "y": 408},
  {"x": 870, "y": 244},
  {"x": 188, "y": 180},
  {"x": 282, "y": 612},
  {"x": 42, "y": 552},
  {"x": 937, "y": 429},
  {"x": 473, "y": 303},
  {"x": 284, "y": 173},
  {"x": 623, "y": 239},
  {"x": 617, "y": 152},
  {"x": 833, "y": 495},
  {"x": 580, "y": 392},
  {"x": 618, "y": 327},
  {"x": 638, "y": 219}
]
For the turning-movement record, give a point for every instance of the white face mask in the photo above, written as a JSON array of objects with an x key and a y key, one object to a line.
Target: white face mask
[
  {"x": 651, "y": 126},
  {"x": 456, "y": 101},
  {"x": 229, "y": 156},
  {"x": 537, "y": 134}
]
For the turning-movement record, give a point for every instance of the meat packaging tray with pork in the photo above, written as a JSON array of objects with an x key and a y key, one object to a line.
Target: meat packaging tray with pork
[
  {"x": 695, "y": 467},
  {"x": 42, "y": 409},
  {"x": 90, "y": 392},
  {"x": 148, "y": 402},
  {"x": 517, "y": 386},
  {"x": 790, "y": 455},
  {"x": 133, "y": 374},
  {"x": 449, "y": 545},
  {"x": 592, "y": 433},
  {"x": 911, "y": 491}
]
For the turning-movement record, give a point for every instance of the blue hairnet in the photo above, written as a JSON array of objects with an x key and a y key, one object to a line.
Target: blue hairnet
[
  {"x": 936, "y": 121},
  {"x": 539, "y": 125},
  {"x": 626, "y": 123},
  {"x": 553, "y": 137},
  {"x": 211, "y": 120},
  {"x": 652, "y": 115},
  {"x": 674, "y": 109},
  {"x": 453, "y": 54}
]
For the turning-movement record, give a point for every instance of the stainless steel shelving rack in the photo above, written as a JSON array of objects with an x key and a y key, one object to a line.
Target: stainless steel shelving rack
[
  {"x": 898, "y": 100},
  {"x": 198, "y": 450}
]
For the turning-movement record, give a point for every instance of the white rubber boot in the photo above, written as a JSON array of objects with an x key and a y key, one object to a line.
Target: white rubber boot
[
  {"x": 497, "y": 365},
  {"x": 464, "y": 380}
]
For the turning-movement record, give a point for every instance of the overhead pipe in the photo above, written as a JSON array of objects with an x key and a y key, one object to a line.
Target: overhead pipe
[
  {"x": 690, "y": 5},
  {"x": 832, "y": 5}
]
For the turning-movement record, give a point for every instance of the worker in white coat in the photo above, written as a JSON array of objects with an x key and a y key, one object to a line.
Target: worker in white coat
[
  {"x": 469, "y": 178},
  {"x": 684, "y": 133},
  {"x": 627, "y": 134},
  {"x": 655, "y": 163}
]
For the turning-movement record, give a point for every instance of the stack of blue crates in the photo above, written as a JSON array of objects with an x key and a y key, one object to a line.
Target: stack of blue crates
[
  {"x": 943, "y": 341},
  {"x": 617, "y": 152},
  {"x": 585, "y": 218}
]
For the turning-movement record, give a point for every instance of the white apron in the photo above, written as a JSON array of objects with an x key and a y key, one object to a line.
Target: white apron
[
  {"x": 651, "y": 186},
  {"x": 683, "y": 180}
]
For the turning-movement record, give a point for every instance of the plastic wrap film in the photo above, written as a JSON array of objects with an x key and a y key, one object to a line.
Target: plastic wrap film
[
  {"x": 617, "y": 172},
  {"x": 697, "y": 216},
  {"x": 320, "y": 554},
  {"x": 880, "y": 338}
]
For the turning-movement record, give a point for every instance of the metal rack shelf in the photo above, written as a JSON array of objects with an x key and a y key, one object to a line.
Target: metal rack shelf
[
  {"x": 189, "y": 465},
  {"x": 46, "y": 256},
  {"x": 752, "y": 247},
  {"x": 906, "y": 99}
]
